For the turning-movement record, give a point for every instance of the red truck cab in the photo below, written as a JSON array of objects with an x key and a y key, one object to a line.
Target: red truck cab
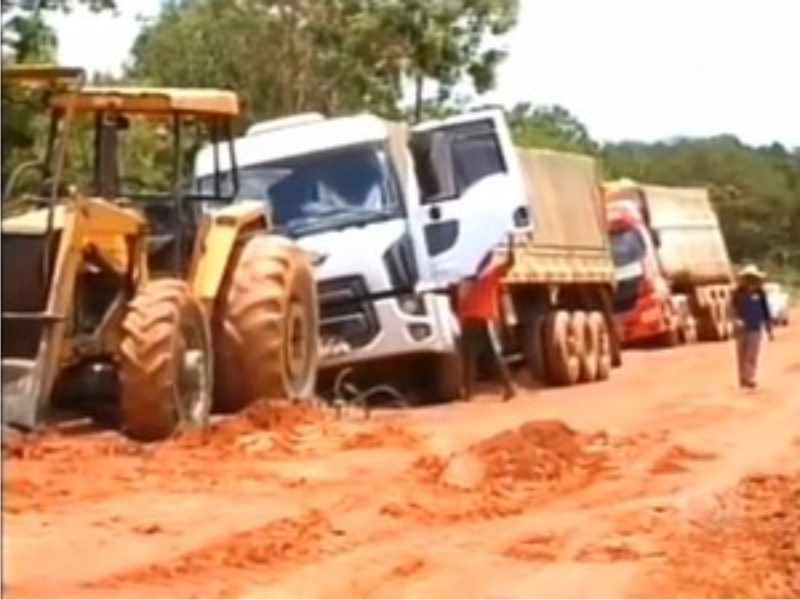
[{"x": 642, "y": 302}]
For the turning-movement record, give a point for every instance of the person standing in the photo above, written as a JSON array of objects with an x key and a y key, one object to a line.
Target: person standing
[
  {"x": 478, "y": 311},
  {"x": 753, "y": 319}
]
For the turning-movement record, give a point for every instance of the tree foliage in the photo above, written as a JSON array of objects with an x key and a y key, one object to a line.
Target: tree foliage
[
  {"x": 288, "y": 56},
  {"x": 27, "y": 38}
]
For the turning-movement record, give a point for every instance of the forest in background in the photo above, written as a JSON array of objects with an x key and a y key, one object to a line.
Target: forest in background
[{"x": 289, "y": 56}]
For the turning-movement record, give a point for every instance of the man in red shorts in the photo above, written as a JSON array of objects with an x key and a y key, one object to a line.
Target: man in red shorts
[{"x": 478, "y": 310}]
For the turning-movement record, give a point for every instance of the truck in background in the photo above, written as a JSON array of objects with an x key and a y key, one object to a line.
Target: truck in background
[
  {"x": 674, "y": 275},
  {"x": 392, "y": 218},
  {"x": 558, "y": 299}
]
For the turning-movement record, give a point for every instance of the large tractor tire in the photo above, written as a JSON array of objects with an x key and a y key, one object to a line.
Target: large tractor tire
[
  {"x": 563, "y": 351},
  {"x": 166, "y": 368},
  {"x": 533, "y": 344},
  {"x": 267, "y": 326}
]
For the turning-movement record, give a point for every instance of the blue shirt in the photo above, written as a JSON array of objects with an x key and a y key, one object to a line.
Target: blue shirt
[{"x": 751, "y": 309}]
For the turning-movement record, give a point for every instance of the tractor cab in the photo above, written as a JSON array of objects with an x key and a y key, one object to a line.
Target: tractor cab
[{"x": 140, "y": 139}]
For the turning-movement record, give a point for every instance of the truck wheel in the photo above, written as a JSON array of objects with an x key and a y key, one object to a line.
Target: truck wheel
[
  {"x": 563, "y": 358},
  {"x": 689, "y": 330},
  {"x": 714, "y": 327},
  {"x": 447, "y": 384},
  {"x": 614, "y": 340},
  {"x": 534, "y": 344},
  {"x": 590, "y": 363},
  {"x": 720, "y": 323},
  {"x": 604, "y": 346},
  {"x": 585, "y": 346},
  {"x": 165, "y": 362},
  {"x": 267, "y": 326},
  {"x": 672, "y": 336}
]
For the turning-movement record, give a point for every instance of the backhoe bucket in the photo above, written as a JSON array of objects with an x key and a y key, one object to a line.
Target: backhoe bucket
[{"x": 21, "y": 392}]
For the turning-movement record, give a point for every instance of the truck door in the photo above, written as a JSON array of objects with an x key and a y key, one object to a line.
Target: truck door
[{"x": 472, "y": 194}]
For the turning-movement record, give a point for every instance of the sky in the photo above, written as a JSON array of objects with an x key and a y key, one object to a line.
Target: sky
[{"x": 628, "y": 69}]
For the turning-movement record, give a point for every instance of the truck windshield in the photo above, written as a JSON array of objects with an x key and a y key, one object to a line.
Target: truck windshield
[
  {"x": 627, "y": 249},
  {"x": 627, "y": 246},
  {"x": 322, "y": 191}
]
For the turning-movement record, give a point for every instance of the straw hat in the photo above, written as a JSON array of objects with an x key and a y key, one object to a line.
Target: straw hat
[{"x": 751, "y": 271}]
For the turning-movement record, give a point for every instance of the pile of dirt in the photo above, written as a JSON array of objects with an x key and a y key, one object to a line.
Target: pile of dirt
[
  {"x": 675, "y": 459},
  {"x": 745, "y": 545},
  {"x": 280, "y": 418},
  {"x": 537, "y": 452},
  {"x": 503, "y": 475}
]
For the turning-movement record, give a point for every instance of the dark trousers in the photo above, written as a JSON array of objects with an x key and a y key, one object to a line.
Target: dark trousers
[{"x": 479, "y": 338}]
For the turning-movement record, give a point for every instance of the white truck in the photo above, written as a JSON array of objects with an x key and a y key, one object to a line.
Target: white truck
[{"x": 392, "y": 218}]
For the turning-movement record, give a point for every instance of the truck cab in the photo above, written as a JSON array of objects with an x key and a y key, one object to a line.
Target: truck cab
[
  {"x": 642, "y": 300},
  {"x": 391, "y": 218}
]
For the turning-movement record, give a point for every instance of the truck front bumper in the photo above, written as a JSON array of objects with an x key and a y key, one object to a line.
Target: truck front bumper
[{"x": 419, "y": 324}]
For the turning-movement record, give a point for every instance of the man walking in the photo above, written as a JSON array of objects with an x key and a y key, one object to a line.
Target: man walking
[
  {"x": 478, "y": 309},
  {"x": 752, "y": 320}
]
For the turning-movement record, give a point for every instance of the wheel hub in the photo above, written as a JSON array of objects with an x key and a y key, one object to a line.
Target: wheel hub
[{"x": 296, "y": 340}]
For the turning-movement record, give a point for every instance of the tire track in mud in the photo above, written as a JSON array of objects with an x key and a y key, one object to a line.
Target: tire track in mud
[{"x": 396, "y": 527}]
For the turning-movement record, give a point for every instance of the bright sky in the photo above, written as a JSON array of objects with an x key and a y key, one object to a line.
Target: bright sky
[{"x": 628, "y": 69}]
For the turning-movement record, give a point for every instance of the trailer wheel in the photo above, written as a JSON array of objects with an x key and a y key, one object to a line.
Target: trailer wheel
[
  {"x": 727, "y": 322},
  {"x": 689, "y": 330},
  {"x": 590, "y": 358},
  {"x": 714, "y": 323},
  {"x": 599, "y": 324},
  {"x": 564, "y": 357},
  {"x": 534, "y": 348}
]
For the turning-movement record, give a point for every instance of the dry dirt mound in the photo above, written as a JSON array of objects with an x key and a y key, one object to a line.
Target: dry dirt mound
[
  {"x": 278, "y": 418},
  {"x": 745, "y": 545},
  {"x": 538, "y": 453},
  {"x": 501, "y": 475}
]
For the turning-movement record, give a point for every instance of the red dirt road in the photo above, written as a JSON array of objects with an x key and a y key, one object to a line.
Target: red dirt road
[{"x": 665, "y": 481}]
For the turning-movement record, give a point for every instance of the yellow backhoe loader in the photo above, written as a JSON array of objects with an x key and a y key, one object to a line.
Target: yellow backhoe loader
[{"x": 151, "y": 308}]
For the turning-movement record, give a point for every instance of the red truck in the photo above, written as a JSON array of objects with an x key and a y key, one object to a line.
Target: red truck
[{"x": 673, "y": 272}]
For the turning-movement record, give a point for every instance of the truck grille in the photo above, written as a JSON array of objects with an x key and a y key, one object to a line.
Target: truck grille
[{"x": 346, "y": 312}]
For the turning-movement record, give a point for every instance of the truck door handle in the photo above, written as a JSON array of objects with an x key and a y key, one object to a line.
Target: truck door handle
[{"x": 435, "y": 213}]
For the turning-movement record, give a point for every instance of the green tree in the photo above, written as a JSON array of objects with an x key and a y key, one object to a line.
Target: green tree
[
  {"x": 343, "y": 55},
  {"x": 552, "y": 127},
  {"x": 28, "y": 39}
]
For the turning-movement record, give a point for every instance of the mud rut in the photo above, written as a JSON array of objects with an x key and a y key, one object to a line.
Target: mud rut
[{"x": 665, "y": 481}]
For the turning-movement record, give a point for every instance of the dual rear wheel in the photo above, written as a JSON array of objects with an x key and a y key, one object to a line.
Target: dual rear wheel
[{"x": 564, "y": 347}]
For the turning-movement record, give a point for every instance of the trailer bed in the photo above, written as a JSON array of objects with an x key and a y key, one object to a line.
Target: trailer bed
[{"x": 570, "y": 243}]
